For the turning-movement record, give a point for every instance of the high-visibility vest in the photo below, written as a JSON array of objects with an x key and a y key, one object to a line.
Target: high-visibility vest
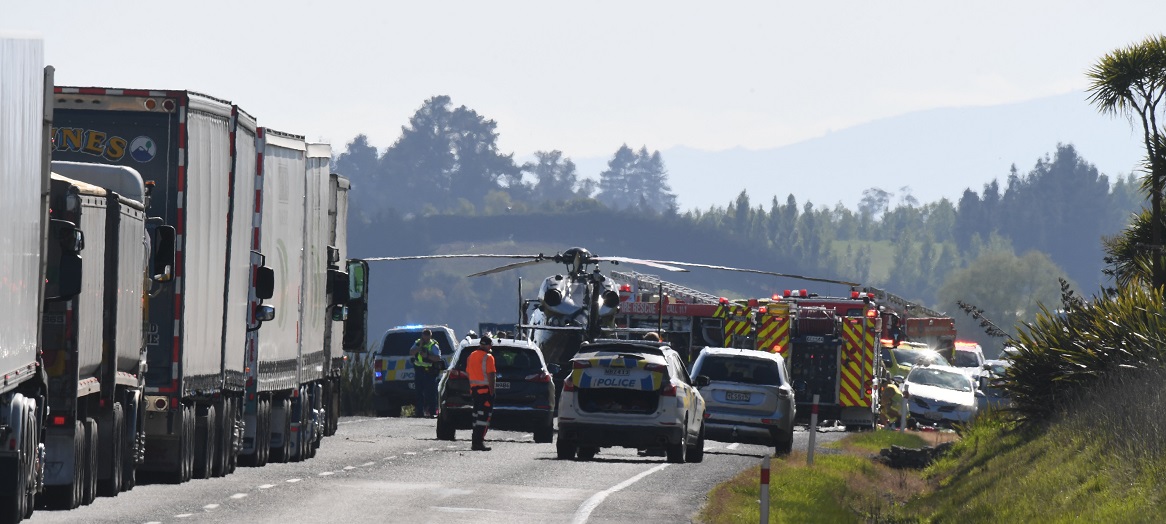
[
  {"x": 426, "y": 349},
  {"x": 479, "y": 366}
]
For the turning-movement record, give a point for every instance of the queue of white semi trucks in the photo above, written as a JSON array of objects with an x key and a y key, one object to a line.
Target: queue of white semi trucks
[{"x": 177, "y": 294}]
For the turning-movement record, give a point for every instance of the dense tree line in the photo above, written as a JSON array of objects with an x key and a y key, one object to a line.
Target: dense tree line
[{"x": 446, "y": 162}]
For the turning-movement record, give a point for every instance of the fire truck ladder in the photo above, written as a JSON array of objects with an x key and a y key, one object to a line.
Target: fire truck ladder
[
  {"x": 645, "y": 282},
  {"x": 903, "y": 305}
]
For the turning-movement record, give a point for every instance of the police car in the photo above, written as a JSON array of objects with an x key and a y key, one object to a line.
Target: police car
[
  {"x": 633, "y": 394},
  {"x": 392, "y": 369}
]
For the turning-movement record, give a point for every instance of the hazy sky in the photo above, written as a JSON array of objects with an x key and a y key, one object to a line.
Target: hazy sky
[{"x": 585, "y": 77}]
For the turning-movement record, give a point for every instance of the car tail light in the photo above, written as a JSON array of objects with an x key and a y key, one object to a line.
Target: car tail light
[
  {"x": 378, "y": 365},
  {"x": 568, "y": 385},
  {"x": 669, "y": 390},
  {"x": 458, "y": 375},
  {"x": 658, "y": 368},
  {"x": 707, "y": 415},
  {"x": 541, "y": 378},
  {"x": 580, "y": 364},
  {"x": 771, "y": 421}
]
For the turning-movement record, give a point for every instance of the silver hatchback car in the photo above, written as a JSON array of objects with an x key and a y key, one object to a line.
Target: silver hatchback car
[{"x": 748, "y": 398}]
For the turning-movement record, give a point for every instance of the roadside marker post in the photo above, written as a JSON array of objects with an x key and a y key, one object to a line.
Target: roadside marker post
[
  {"x": 903, "y": 416},
  {"x": 813, "y": 432},
  {"x": 765, "y": 490}
]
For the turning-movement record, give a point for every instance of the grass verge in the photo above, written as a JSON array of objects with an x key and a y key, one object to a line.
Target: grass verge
[{"x": 841, "y": 487}]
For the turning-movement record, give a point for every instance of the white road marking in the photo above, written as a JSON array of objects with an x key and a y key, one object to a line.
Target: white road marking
[
  {"x": 734, "y": 445},
  {"x": 355, "y": 421},
  {"x": 153, "y": 522},
  {"x": 294, "y": 480},
  {"x": 238, "y": 496},
  {"x": 326, "y": 473},
  {"x": 184, "y": 515},
  {"x": 452, "y": 446},
  {"x": 349, "y": 468},
  {"x": 366, "y": 464},
  {"x": 391, "y": 458},
  {"x": 448, "y": 509},
  {"x": 589, "y": 505},
  {"x": 410, "y": 452},
  {"x": 210, "y": 506},
  {"x": 431, "y": 449},
  {"x": 267, "y": 486}
]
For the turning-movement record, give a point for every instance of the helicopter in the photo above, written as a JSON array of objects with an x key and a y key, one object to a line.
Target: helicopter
[{"x": 576, "y": 306}]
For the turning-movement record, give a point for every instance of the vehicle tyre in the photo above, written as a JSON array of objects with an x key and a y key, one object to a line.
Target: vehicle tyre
[
  {"x": 696, "y": 450},
  {"x": 284, "y": 452},
  {"x": 445, "y": 428},
  {"x": 205, "y": 445},
  {"x": 225, "y": 443},
  {"x": 17, "y": 505},
  {"x": 110, "y": 487},
  {"x": 783, "y": 443},
  {"x": 676, "y": 452},
  {"x": 91, "y": 447},
  {"x": 135, "y": 415},
  {"x": 545, "y": 434},
  {"x": 565, "y": 449},
  {"x": 588, "y": 453},
  {"x": 263, "y": 445},
  {"x": 69, "y": 497}
]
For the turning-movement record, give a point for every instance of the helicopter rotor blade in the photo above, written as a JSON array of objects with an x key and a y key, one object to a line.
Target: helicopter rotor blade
[
  {"x": 508, "y": 267},
  {"x": 650, "y": 263},
  {"x": 425, "y": 257},
  {"x": 760, "y": 272}
]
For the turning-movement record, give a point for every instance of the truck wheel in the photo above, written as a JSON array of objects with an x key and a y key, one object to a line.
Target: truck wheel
[
  {"x": 90, "y": 479},
  {"x": 565, "y": 449},
  {"x": 221, "y": 463},
  {"x": 696, "y": 450},
  {"x": 17, "y": 505},
  {"x": 69, "y": 497},
  {"x": 263, "y": 435},
  {"x": 186, "y": 445},
  {"x": 204, "y": 444},
  {"x": 129, "y": 468},
  {"x": 676, "y": 452},
  {"x": 284, "y": 452},
  {"x": 111, "y": 486}
]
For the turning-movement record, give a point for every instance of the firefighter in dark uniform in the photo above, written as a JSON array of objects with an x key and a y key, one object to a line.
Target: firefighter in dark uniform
[{"x": 482, "y": 372}]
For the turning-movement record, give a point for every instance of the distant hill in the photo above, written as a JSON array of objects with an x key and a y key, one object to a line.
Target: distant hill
[{"x": 937, "y": 153}]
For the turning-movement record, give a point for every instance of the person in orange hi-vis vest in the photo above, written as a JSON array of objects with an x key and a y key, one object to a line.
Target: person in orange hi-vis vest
[{"x": 482, "y": 372}]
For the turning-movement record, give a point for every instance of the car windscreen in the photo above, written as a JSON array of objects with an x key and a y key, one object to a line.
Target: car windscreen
[
  {"x": 397, "y": 343},
  {"x": 966, "y": 359},
  {"x": 743, "y": 370},
  {"x": 916, "y": 357},
  {"x": 940, "y": 378},
  {"x": 510, "y": 358}
]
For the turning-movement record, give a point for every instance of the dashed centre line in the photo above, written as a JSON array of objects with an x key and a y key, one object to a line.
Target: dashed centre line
[
  {"x": 349, "y": 468},
  {"x": 267, "y": 486},
  {"x": 210, "y": 506},
  {"x": 238, "y": 496},
  {"x": 366, "y": 464},
  {"x": 293, "y": 481},
  {"x": 183, "y": 515},
  {"x": 326, "y": 473}
]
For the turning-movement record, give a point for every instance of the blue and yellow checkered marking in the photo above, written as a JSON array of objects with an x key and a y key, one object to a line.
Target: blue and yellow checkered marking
[{"x": 593, "y": 376}]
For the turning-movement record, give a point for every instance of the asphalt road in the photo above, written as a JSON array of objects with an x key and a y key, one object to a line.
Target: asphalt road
[{"x": 394, "y": 470}]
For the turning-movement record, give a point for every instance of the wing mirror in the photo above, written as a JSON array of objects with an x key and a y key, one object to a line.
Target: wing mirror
[
  {"x": 554, "y": 369},
  {"x": 339, "y": 313},
  {"x": 63, "y": 278},
  {"x": 701, "y": 381},
  {"x": 898, "y": 379},
  {"x": 264, "y": 313},
  {"x": 162, "y": 242},
  {"x": 264, "y": 282}
]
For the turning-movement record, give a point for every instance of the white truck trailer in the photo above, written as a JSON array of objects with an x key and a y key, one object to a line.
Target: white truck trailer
[
  {"x": 190, "y": 147},
  {"x": 24, "y": 188},
  {"x": 92, "y": 343}
]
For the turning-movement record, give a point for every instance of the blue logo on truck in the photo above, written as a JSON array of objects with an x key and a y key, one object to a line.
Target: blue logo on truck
[{"x": 143, "y": 149}]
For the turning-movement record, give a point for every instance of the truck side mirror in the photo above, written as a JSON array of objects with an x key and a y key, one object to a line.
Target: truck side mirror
[
  {"x": 701, "y": 381},
  {"x": 339, "y": 313},
  {"x": 264, "y": 313},
  {"x": 264, "y": 282},
  {"x": 63, "y": 278},
  {"x": 162, "y": 245},
  {"x": 356, "y": 324},
  {"x": 338, "y": 287}
]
